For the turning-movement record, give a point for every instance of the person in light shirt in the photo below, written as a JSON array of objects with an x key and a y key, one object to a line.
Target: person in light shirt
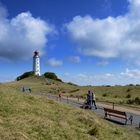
[{"x": 94, "y": 100}]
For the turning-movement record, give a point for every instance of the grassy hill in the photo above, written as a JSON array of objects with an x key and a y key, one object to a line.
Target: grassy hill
[
  {"x": 26, "y": 117},
  {"x": 126, "y": 95}
]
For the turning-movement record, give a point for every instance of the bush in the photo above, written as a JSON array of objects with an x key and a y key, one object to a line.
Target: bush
[
  {"x": 75, "y": 90},
  {"x": 94, "y": 131},
  {"x": 131, "y": 85},
  {"x": 128, "y": 90},
  {"x": 25, "y": 75},
  {"x": 130, "y": 101},
  {"x": 108, "y": 85},
  {"x": 70, "y": 83},
  {"x": 104, "y": 95},
  {"x": 116, "y": 96},
  {"x": 134, "y": 101},
  {"x": 118, "y": 132},
  {"x": 137, "y": 85},
  {"x": 51, "y": 75},
  {"x": 128, "y": 96},
  {"x": 137, "y": 100}
]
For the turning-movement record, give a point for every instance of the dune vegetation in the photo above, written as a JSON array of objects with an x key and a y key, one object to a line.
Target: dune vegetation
[
  {"x": 24, "y": 116},
  {"x": 125, "y": 95},
  {"x": 27, "y": 117}
]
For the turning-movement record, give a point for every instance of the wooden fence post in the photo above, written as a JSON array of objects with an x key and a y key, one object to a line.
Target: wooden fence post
[
  {"x": 67, "y": 100},
  {"x": 78, "y": 99},
  {"x": 113, "y": 105}
]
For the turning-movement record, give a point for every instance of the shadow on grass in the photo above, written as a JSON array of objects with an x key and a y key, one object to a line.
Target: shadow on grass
[
  {"x": 138, "y": 128},
  {"x": 115, "y": 121}
]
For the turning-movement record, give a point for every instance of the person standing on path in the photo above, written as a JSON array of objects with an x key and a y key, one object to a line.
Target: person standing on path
[
  {"x": 89, "y": 99},
  {"x": 94, "y": 100}
]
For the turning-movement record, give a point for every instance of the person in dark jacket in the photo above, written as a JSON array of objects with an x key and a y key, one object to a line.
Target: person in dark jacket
[{"x": 89, "y": 99}]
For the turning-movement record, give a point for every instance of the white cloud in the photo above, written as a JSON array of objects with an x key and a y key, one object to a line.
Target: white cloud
[
  {"x": 88, "y": 79},
  {"x": 54, "y": 62},
  {"x": 123, "y": 78},
  {"x": 6, "y": 78},
  {"x": 103, "y": 63},
  {"x": 112, "y": 37},
  {"x": 109, "y": 75},
  {"x": 21, "y": 35},
  {"x": 75, "y": 59},
  {"x": 135, "y": 73},
  {"x": 82, "y": 76}
]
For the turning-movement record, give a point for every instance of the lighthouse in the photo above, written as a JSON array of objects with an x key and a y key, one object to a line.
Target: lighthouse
[{"x": 36, "y": 63}]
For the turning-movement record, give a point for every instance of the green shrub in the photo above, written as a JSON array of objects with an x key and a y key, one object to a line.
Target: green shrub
[
  {"x": 108, "y": 85},
  {"x": 118, "y": 132},
  {"x": 25, "y": 75},
  {"x": 131, "y": 84},
  {"x": 137, "y": 100},
  {"x": 75, "y": 90},
  {"x": 94, "y": 131},
  {"x": 134, "y": 101},
  {"x": 116, "y": 96},
  {"x": 130, "y": 101},
  {"x": 51, "y": 75},
  {"x": 97, "y": 99},
  {"x": 70, "y": 83},
  {"x": 104, "y": 95},
  {"x": 128, "y": 96},
  {"x": 128, "y": 90}
]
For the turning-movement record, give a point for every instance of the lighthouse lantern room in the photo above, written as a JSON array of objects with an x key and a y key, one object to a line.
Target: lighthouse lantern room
[{"x": 36, "y": 63}]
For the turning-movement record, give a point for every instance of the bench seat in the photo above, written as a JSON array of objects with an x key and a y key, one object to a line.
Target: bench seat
[{"x": 115, "y": 113}]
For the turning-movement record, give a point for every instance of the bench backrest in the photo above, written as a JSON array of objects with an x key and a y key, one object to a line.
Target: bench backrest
[{"x": 115, "y": 111}]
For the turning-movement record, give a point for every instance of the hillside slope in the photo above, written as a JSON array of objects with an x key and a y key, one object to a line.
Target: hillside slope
[
  {"x": 26, "y": 117},
  {"x": 127, "y": 95}
]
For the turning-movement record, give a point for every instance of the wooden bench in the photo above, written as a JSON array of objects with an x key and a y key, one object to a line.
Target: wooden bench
[{"x": 115, "y": 113}]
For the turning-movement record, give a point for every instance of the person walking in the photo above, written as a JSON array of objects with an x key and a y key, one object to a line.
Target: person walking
[
  {"x": 89, "y": 99},
  {"x": 23, "y": 89},
  {"x": 94, "y": 100}
]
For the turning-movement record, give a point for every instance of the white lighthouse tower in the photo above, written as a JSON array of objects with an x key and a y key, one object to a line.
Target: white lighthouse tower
[{"x": 36, "y": 63}]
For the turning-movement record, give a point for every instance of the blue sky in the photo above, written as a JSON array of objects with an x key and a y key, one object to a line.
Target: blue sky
[{"x": 88, "y": 42}]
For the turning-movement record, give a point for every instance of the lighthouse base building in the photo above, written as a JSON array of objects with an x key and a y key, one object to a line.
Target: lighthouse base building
[{"x": 36, "y": 63}]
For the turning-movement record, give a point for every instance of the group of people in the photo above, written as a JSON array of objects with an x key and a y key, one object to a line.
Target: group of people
[
  {"x": 91, "y": 99},
  {"x": 26, "y": 89}
]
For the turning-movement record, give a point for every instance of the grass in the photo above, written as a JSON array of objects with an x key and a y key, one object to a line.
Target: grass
[
  {"x": 126, "y": 95},
  {"x": 26, "y": 117}
]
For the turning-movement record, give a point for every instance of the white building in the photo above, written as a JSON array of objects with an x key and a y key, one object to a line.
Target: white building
[{"x": 36, "y": 63}]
